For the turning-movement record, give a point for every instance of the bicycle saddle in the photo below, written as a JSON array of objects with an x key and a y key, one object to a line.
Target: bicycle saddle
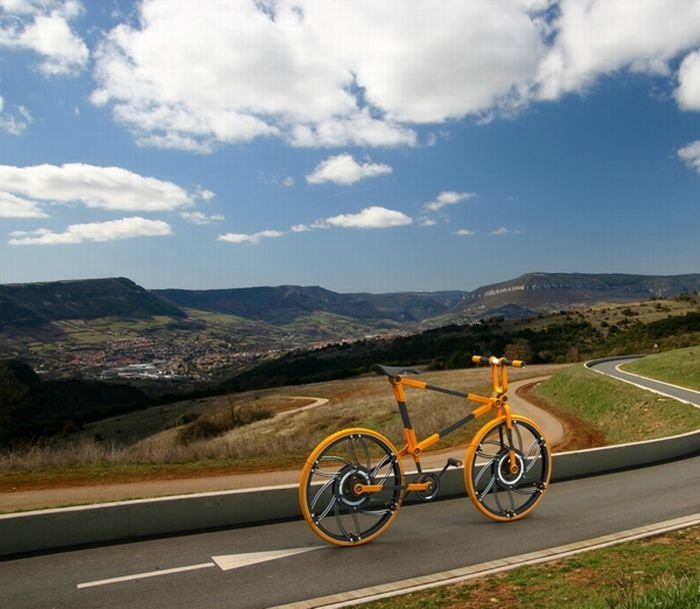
[{"x": 393, "y": 371}]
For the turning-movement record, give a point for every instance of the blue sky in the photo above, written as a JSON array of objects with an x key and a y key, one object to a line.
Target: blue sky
[{"x": 361, "y": 146}]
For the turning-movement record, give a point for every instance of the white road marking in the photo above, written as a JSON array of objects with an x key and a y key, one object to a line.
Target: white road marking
[
  {"x": 235, "y": 561},
  {"x": 126, "y": 578},
  {"x": 225, "y": 563}
]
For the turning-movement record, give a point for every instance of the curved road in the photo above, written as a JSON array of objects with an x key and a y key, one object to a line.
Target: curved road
[
  {"x": 432, "y": 541},
  {"x": 612, "y": 368}
]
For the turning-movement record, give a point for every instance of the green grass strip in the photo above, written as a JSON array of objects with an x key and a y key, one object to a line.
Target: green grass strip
[
  {"x": 659, "y": 572},
  {"x": 620, "y": 411},
  {"x": 679, "y": 367}
]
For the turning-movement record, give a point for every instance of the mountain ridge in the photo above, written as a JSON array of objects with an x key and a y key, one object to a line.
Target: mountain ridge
[
  {"x": 530, "y": 294},
  {"x": 538, "y": 292},
  {"x": 31, "y": 304}
]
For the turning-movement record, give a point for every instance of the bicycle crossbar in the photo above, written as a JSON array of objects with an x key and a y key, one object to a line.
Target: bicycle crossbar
[
  {"x": 459, "y": 394},
  {"x": 457, "y": 424}
]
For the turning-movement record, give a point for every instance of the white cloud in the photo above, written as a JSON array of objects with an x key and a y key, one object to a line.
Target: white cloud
[
  {"x": 365, "y": 73},
  {"x": 203, "y": 194},
  {"x": 464, "y": 232},
  {"x": 343, "y": 169},
  {"x": 200, "y": 218},
  {"x": 175, "y": 141},
  {"x": 448, "y": 197},
  {"x": 295, "y": 68},
  {"x": 597, "y": 37},
  {"x": 16, "y": 207},
  {"x": 16, "y": 123},
  {"x": 422, "y": 65},
  {"x": 11, "y": 124},
  {"x": 690, "y": 154},
  {"x": 502, "y": 231},
  {"x": 370, "y": 217},
  {"x": 688, "y": 91},
  {"x": 44, "y": 27},
  {"x": 254, "y": 238},
  {"x": 355, "y": 129},
  {"x": 288, "y": 182},
  {"x": 99, "y": 187},
  {"x": 113, "y": 230}
]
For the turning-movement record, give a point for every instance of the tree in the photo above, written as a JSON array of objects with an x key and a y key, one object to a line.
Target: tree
[{"x": 518, "y": 349}]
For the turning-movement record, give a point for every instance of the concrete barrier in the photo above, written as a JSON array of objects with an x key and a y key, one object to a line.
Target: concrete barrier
[{"x": 56, "y": 529}]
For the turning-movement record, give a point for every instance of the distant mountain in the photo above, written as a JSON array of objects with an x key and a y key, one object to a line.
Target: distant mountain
[
  {"x": 535, "y": 293},
  {"x": 283, "y": 304},
  {"x": 33, "y": 304},
  {"x": 30, "y": 304}
]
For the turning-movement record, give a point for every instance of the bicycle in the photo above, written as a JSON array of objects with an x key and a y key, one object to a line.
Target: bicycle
[{"x": 353, "y": 483}]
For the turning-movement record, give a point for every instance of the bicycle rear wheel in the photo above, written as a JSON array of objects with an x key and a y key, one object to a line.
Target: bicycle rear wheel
[
  {"x": 328, "y": 496},
  {"x": 498, "y": 488}
]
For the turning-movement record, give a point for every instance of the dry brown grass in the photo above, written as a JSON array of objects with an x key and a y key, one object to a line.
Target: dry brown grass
[{"x": 278, "y": 442}]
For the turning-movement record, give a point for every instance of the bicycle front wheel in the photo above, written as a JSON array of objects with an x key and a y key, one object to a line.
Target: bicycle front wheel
[
  {"x": 328, "y": 490},
  {"x": 507, "y": 470}
]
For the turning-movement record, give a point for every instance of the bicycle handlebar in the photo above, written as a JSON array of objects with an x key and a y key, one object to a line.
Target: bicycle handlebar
[{"x": 497, "y": 361}]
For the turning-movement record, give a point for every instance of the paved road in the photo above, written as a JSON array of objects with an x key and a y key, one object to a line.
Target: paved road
[
  {"x": 451, "y": 533},
  {"x": 612, "y": 368}
]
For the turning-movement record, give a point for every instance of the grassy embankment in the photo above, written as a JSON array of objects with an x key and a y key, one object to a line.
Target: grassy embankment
[
  {"x": 654, "y": 573},
  {"x": 678, "y": 367},
  {"x": 620, "y": 412},
  {"x": 144, "y": 445}
]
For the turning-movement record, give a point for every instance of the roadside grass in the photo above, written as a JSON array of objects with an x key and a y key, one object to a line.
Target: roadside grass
[
  {"x": 658, "y": 572},
  {"x": 680, "y": 367},
  {"x": 619, "y": 411}
]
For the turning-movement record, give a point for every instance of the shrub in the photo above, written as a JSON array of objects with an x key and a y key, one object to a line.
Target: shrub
[
  {"x": 185, "y": 418},
  {"x": 200, "y": 429}
]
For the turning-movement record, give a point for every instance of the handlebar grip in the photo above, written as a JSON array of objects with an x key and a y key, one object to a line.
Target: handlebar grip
[{"x": 497, "y": 361}]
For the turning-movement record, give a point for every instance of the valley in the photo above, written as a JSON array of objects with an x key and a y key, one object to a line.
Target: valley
[{"x": 113, "y": 329}]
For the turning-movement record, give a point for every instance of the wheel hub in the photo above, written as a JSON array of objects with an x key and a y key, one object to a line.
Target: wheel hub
[
  {"x": 345, "y": 485},
  {"x": 507, "y": 476}
]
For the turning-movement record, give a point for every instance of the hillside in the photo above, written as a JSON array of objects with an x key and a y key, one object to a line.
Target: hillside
[
  {"x": 39, "y": 303},
  {"x": 31, "y": 407},
  {"x": 113, "y": 328},
  {"x": 32, "y": 304},
  {"x": 558, "y": 338},
  {"x": 535, "y": 293},
  {"x": 524, "y": 296},
  {"x": 283, "y": 304}
]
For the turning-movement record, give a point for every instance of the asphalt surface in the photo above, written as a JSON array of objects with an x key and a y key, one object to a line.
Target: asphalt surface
[
  {"x": 197, "y": 571},
  {"x": 424, "y": 539},
  {"x": 612, "y": 368}
]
